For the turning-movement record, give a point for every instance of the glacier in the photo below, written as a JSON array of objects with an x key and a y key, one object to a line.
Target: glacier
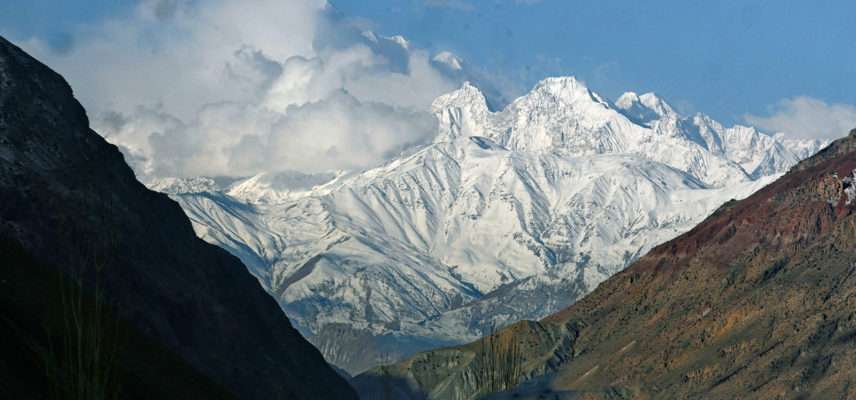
[{"x": 506, "y": 215}]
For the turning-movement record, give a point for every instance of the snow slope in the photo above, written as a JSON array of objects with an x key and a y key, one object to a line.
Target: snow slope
[{"x": 507, "y": 215}]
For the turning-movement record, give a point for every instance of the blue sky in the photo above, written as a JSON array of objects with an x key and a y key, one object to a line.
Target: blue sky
[
  {"x": 781, "y": 65},
  {"x": 55, "y": 20},
  {"x": 727, "y": 58}
]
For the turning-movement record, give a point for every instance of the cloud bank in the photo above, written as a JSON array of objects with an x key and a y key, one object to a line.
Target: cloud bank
[
  {"x": 805, "y": 117},
  {"x": 237, "y": 87}
]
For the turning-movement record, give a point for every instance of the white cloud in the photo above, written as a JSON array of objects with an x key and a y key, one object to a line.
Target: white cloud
[
  {"x": 232, "y": 87},
  {"x": 805, "y": 117},
  {"x": 338, "y": 132}
]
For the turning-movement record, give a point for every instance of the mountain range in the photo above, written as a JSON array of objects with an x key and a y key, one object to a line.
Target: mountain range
[
  {"x": 565, "y": 246},
  {"x": 506, "y": 215},
  {"x": 756, "y": 302}
]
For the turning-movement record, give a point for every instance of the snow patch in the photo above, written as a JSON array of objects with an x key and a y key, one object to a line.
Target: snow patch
[{"x": 849, "y": 187}]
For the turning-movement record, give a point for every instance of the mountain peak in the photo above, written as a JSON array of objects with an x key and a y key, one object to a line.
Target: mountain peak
[
  {"x": 655, "y": 102},
  {"x": 627, "y": 99},
  {"x": 567, "y": 90},
  {"x": 645, "y": 108},
  {"x": 467, "y": 96},
  {"x": 561, "y": 81},
  {"x": 706, "y": 122},
  {"x": 460, "y": 113},
  {"x": 562, "y": 87}
]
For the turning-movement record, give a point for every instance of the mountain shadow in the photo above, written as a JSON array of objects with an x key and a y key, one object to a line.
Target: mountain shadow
[{"x": 105, "y": 283}]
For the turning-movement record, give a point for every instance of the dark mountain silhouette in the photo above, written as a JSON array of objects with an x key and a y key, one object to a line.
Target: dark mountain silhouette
[
  {"x": 758, "y": 301},
  {"x": 161, "y": 314}
]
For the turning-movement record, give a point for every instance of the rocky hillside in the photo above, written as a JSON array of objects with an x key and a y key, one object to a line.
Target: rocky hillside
[
  {"x": 70, "y": 204},
  {"x": 757, "y": 301}
]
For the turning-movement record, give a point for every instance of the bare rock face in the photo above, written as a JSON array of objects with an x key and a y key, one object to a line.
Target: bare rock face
[
  {"x": 757, "y": 301},
  {"x": 68, "y": 199}
]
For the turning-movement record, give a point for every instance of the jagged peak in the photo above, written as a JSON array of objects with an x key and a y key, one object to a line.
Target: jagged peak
[
  {"x": 561, "y": 86},
  {"x": 565, "y": 89},
  {"x": 657, "y": 103},
  {"x": 627, "y": 100},
  {"x": 560, "y": 82},
  {"x": 705, "y": 121},
  {"x": 467, "y": 96},
  {"x": 645, "y": 108},
  {"x": 562, "y": 90}
]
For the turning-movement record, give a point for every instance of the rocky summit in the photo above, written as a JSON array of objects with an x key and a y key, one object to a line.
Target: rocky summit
[{"x": 757, "y": 301}]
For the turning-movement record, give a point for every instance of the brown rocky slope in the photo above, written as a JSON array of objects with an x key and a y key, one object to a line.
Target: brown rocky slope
[{"x": 758, "y": 301}]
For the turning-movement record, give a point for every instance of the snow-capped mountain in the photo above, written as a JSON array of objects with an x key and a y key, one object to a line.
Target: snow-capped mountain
[{"x": 507, "y": 215}]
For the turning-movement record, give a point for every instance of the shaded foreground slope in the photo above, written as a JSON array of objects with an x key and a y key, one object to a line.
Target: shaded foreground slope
[
  {"x": 38, "y": 307},
  {"x": 68, "y": 202},
  {"x": 758, "y": 301}
]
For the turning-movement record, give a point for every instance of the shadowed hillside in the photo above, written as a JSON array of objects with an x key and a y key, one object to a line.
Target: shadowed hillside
[{"x": 173, "y": 311}]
